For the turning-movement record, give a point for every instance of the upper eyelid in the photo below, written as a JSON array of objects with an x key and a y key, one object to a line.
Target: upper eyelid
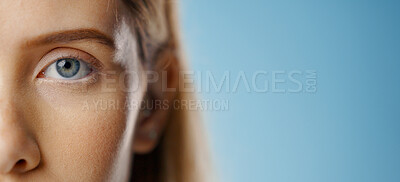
[{"x": 91, "y": 59}]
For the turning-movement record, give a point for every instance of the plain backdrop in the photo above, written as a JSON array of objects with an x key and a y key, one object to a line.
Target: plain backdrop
[{"x": 346, "y": 131}]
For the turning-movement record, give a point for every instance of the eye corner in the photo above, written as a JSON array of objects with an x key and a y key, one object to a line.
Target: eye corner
[{"x": 41, "y": 74}]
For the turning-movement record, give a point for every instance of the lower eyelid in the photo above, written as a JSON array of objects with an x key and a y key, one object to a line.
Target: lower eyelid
[{"x": 79, "y": 85}]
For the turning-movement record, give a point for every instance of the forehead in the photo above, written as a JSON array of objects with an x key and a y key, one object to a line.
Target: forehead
[{"x": 23, "y": 19}]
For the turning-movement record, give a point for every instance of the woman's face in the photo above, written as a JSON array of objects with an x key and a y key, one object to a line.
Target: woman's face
[{"x": 62, "y": 104}]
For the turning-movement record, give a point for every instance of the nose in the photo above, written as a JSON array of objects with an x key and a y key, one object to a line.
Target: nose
[{"x": 19, "y": 152}]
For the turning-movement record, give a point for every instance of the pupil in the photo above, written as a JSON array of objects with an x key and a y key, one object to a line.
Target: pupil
[{"x": 67, "y": 65}]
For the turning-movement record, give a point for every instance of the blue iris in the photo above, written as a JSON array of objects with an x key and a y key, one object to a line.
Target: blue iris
[{"x": 67, "y": 67}]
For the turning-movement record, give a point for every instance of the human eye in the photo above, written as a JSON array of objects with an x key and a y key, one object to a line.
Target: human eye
[
  {"x": 68, "y": 69},
  {"x": 66, "y": 64}
]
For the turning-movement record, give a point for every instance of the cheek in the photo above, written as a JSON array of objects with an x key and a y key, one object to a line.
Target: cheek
[{"x": 80, "y": 136}]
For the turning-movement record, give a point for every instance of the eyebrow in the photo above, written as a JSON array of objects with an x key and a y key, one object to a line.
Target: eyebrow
[{"x": 71, "y": 36}]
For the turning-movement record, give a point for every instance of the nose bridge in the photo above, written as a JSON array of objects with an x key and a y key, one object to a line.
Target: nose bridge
[
  {"x": 8, "y": 80},
  {"x": 10, "y": 91},
  {"x": 11, "y": 96},
  {"x": 8, "y": 112}
]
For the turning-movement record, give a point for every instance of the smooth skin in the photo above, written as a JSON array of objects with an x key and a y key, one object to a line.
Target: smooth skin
[{"x": 54, "y": 129}]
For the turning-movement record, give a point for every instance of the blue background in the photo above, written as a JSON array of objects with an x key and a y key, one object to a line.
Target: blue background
[{"x": 347, "y": 131}]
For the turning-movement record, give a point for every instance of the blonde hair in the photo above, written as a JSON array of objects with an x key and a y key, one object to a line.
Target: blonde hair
[{"x": 182, "y": 155}]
